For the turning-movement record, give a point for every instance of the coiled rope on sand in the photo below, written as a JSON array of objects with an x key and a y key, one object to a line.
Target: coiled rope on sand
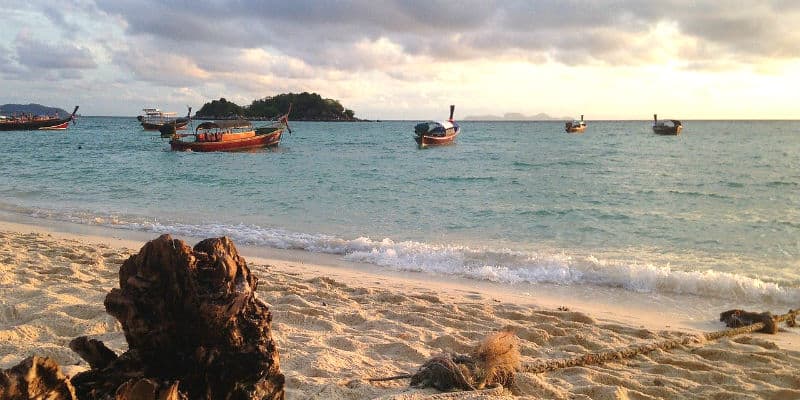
[{"x": 469, "y": 373}]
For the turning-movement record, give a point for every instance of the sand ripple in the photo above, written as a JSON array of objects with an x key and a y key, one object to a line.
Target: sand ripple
[{"x": 332, "y": 333}]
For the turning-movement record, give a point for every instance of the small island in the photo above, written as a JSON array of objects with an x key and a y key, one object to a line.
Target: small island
[
  {"x": 31, "y": 109},
  {"x": 305, "y": 107}
]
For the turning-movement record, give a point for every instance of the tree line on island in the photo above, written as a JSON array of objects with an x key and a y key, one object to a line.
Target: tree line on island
[{"x": 305, "y": 107}]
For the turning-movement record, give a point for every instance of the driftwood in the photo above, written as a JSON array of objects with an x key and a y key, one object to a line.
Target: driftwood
[
  {"x": 194, "y": 327},
  {"x": 35, "y": 378}
]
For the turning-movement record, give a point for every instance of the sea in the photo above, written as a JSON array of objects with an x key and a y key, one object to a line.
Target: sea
[{"x": 711, "y": 213}]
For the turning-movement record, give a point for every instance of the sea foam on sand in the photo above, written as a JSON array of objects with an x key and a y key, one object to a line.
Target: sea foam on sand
[{"x": 335, "y": 325}]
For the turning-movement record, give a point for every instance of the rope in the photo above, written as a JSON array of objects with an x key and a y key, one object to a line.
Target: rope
[
  {"x": 442, "y": 372},
  {"x": 390, "y": 378},
  {"x": 612, "y": 355},
  {"x": 496, "y": 390}
]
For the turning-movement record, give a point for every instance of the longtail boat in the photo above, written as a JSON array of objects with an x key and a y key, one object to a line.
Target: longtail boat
[
  {"x": 228, "y": 135},
  {"x": 153, "y": 119},
  {"x": 662, "y": 128},
  {"x": 31, "y": 122},
  {"x": 575, "y": 126},
  {"x": 433, "y": 133}
]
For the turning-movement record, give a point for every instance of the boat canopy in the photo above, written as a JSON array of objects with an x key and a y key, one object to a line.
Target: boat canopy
[
  {"x": 675, "y": 122},
  {"x": 224, "y": 124},
  {"x": 434, "y": 128}
]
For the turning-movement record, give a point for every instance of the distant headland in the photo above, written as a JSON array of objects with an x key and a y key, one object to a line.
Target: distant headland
[
  {"x": 515, "y": 117},
  {"x": 35, "y": 109},
  {"x": 305, "y": 107}
]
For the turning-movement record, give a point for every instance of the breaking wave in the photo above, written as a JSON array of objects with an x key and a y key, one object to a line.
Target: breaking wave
[{"x": 496, "y": 265}]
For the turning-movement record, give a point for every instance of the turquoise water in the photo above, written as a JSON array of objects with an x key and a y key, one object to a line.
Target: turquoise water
[{"x": 712, "y": 212}]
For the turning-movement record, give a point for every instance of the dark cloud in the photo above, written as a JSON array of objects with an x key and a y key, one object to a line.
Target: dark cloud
[{"x": 327, "y": 34}]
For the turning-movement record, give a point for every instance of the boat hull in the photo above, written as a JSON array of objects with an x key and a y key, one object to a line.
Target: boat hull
[
  {"x": 429, "y": 140},
  {"x": 576, "y": 129},
  {"x": 575, "y": 126},
  {"x": 668, "y": 130},
  {"x": 154, "y": 127},
  {"x": 253, "y": 142},
  {"x": 59, "y": 127},
  {"x": 48, "y": 124}
]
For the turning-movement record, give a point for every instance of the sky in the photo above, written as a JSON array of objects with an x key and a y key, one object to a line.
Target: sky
[{"x": 385, "y": 59}]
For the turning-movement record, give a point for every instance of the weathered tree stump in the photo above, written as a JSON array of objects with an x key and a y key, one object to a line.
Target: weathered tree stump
[{"x": 194, "y": 327}]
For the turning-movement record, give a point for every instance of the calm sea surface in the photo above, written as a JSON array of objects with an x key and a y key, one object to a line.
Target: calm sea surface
[{"x": 712, "y": 212}]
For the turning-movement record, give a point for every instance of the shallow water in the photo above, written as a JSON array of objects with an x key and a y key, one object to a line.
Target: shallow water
[{"x": 713, "y": 212}]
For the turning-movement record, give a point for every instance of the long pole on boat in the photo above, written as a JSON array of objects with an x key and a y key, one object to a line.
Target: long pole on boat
[{"x": 72, "y": 117}]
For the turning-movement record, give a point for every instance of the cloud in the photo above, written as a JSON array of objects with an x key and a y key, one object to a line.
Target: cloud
[
  {"x": 362, "y": 35},
  {"x": 34, "y": 54},
  {"x": 354, "y": 50},
  {"x": 160, "y": 66}
]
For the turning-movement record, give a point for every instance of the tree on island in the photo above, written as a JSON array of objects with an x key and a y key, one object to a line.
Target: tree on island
[
  {"x": 305, "y": 107},
  {"x": 32, "y": 108},
  {"x": 220, "y": 109}
]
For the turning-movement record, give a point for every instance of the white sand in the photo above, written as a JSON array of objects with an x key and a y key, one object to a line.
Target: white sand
[{"x": 336, "y": 322}]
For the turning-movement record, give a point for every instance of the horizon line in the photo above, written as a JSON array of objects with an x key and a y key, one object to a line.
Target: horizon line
[{"x": 506, "y": 120}]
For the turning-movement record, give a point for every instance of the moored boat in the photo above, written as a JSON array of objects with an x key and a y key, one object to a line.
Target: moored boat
[
  {"x": 229, "y": 135},
  {"x": 153, "y": 119},
  {"x": 433, "y": 133},
  {"x": 662, "y": 128},
  {"x": 575, "y": 126},
  {"x": 34, "y": 122}
]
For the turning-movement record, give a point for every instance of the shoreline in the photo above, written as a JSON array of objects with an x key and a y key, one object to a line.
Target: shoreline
[
  {"x": 687, "y": 313},
  {"x": 337, "y": 322}
]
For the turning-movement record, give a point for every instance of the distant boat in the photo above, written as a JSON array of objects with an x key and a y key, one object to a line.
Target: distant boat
[
  {"x": 663, "y": 128},
  {"x": 153, "y": 119},
  {"x": 433, "y": 133},
  {"x": 576, "y": 126},
  {"x": 33, "y": 122},
  {"x": 228, "y": 135}
]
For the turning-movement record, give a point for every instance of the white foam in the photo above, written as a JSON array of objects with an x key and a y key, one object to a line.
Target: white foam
[{"x": 496, "y": 265}]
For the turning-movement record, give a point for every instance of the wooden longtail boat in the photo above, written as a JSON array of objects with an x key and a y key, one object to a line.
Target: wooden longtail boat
[
  {"x": 436, "y": 133},
  {"x": 29, "y": 122},
  {"x": 575, "y": 126},
  {"x": 661, "y": 128},
  {"x": 229, "y": 135},
  {"x": 153, "y": 119}
]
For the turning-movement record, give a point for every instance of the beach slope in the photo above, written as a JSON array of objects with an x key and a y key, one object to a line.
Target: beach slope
[{"x": 334, "y": 327}]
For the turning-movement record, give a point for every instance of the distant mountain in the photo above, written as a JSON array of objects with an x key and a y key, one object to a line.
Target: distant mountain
[
  {"x": 35, "y": 109},
  {"x": 515, "y": 117}
]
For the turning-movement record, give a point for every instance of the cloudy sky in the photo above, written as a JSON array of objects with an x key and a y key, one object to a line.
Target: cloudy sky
[{"x": 615, "y": 59}]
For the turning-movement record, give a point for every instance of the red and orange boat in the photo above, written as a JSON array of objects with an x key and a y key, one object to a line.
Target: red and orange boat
[
  {"x": 34, "y": 122},
  {"x": 436, "y": 133},
  {"x": 230, "y": 135}
]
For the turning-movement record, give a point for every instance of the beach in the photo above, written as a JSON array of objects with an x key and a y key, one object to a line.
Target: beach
[{"x": 337, "y": 323}]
